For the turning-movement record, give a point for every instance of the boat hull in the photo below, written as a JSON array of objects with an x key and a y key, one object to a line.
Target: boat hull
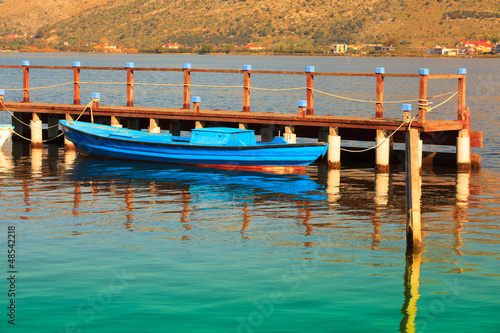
[
  {"x": 289, "y": 157},
  {"x": 5, "y": 132}
]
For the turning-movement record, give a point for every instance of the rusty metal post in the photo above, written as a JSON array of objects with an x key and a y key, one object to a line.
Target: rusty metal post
[
  {"x": 302, "y": 108},
  {"x": 76, "y": 82},
  {"x": 246, "y": 87},
  {"x": 196, "y": 103},
  {"x": 130, "y": 83},
  {"x": 187, "y": 85},
  {"x": 461, "y": 93},
  {"x": 310, "y": 90},
  {"x": 422, "y": 96},
  {"x": 26, "y": 81},
  {"x": 379, "y": 111}
]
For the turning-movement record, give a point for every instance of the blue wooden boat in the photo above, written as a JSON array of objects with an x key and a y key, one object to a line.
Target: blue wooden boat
[{"x": 215, "y": 147}]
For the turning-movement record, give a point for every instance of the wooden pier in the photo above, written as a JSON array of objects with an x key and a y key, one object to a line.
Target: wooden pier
[{"x": 305, "y": 123}]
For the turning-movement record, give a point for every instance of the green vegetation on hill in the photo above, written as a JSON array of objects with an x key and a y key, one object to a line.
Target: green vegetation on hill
[{"x": 313, "y": 24}]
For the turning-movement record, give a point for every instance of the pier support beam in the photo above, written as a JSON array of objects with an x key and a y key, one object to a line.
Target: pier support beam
[
  {"x": 19, "y": 127},
  {"x": 199, "y": 124},
  {"x": 412, "y": 182},
  {"x": 333, "y": 155},
  {"x": 463, "y": 151},
  {"x": 266, "y": 133},
  {"x": 133, "y": 123},
  {"x": 175, "y": 128},
  {"x": 115, "y": 121},
  {"x": 382, "y": 152},
  {"x": 290, "y": 135},
  {"x": 53, "y": 126},
  {"x": 36, "y": 132},
  {"x": 153, "y": 126}
]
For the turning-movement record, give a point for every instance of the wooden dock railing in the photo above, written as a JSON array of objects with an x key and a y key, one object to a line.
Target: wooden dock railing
[{"x": 246, "y": 72}]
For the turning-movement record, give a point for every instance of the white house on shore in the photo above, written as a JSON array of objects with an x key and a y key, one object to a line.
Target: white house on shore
[{"x": 439, "y": 49}]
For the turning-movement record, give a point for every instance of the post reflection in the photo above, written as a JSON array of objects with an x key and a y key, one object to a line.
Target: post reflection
[
  {"x": 305, "y": 216},
  {"x": 246, "y": 220},
  {"x": 186, "y": 209},
  {"x": 381, "y": 199},
  {"x": 333, "y": 186},
  {"x": 129, "y": 194},
  {"x": 36, "y": 162},
  {"x": 460, "y": 213},
  {"x": 411, "y": 284},
  {"x": 77, "y": 198}
]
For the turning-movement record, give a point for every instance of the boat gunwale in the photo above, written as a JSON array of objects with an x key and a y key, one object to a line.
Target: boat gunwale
[{"x": 259, "y": 146}]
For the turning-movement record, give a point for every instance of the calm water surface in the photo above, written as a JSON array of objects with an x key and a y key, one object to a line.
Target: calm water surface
[{"x": 106, "y": 246}]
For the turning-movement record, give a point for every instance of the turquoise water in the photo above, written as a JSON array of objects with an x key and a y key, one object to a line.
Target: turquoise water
[{"x": 106, "y": 246}]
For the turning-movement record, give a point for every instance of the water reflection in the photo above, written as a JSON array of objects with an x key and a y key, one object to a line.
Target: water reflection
[
  {"x": 36, "y": 162},
  {"x": 6, "y": 165},
  {"x": 411, "y": 295}
]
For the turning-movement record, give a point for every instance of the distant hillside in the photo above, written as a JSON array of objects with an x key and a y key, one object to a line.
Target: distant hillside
[{"x": 311, "y": 23}]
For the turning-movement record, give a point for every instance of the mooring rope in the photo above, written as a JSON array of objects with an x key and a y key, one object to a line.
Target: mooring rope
[
  {"x": 88, "y": 106},
  {"x": 37, "y": 88}
]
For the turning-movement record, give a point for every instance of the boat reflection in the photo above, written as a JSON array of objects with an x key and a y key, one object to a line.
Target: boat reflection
[{"x": 194, "y": 188}]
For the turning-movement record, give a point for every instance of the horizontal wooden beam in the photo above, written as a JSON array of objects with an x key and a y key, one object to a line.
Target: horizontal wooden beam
[{"x": 352, "y": 128}]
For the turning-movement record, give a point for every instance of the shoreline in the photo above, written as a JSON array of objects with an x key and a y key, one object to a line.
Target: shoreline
[{"x": 296, "y": 54}]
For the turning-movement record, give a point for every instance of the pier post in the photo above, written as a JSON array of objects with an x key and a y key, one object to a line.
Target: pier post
[
  {"x": 53, "y": 126},
  {"x": 36, "y": 132},
  {"x": 196, "y": 103},
  {"x": 290, "y": 135},
  {"x": 463, "y": 139},
  {"x": 461, "y": 93},
  {"x": 130, "y": 83},
  {"x": 302, "y": 108},
  {"x": 422, "y": 95},
  {"x": 382, "y": 152},
  {"x": 187, "y": 86},
  {"x": 412, "y": 182},
  {"x": 196, "y": 109},
  {"x": 463, "y": 151},
  {"x": 68, "y": 145},
  {"x": 310, "y": 90},
  {"x": 246, "y": 87},
  {"x": 26, "y": 81},
  {"x": 333, "y": 155},
  {"x": 76, "y": 82},
  {"x": 379, "y": 111}
]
